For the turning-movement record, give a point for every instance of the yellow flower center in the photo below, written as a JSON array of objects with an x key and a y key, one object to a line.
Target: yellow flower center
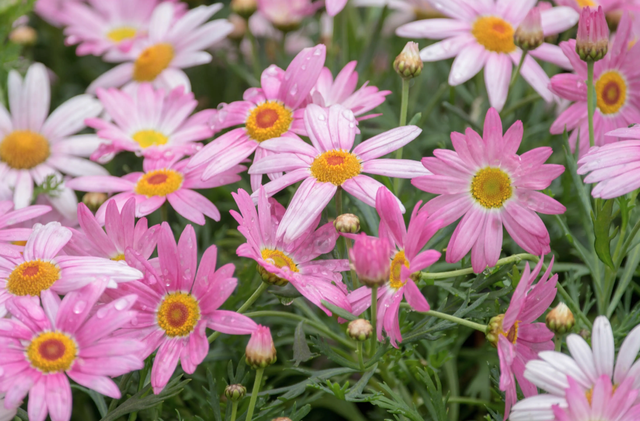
[
  {"x": 32, "y": 277},
  {"x": 146, "y": 138},
  {"x": 152, "y": 61},
  {"x": 178, "y": 314},
  {"x": 159, "y": 183},
  {"x": 279, "y": 259},
  {"x": 268, "y": 120},
  {"x": 121, "y": 34},
  {"x": 118, "y": 258},
  {"x": 611, "y": 90},
  {"x": 585, "y": 3},
  {"x": 494, "y": 34},
  {"x": 589, "y": 393},
  {"x": 335, "y": 166},
  {"x": 19, "y": 243},
  {"x": 52, "y": 352},
  {"x": 23, "y": 149},
  {"x": 398, "y": 261},
  {"x": 491, "y": 187},
  {"x": 496, "y": 329}
]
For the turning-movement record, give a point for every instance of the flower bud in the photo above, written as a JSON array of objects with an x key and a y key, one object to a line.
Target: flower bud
[
  {"x": 560, "y": 320},
  {"x": 347, "y": 223},
  {"x": 94, "y": 200},
  {"x": 408, "y": 64},
  {"x": 371, "y": 259},
  {"x": 239, "y": 27},
  {"x": 23, "y": 35},
  {"x": 495, "y": 329},
  {"x": 235, "y": 392},
  {"x": 244, "y": 8},
  {"x": 360, "y": 330},
  {"x": 270, "y": 278},
  {"x": 261, "y": 351},
  {"x": 592, "y": 42},
  {"x": 529, "y": 35}
]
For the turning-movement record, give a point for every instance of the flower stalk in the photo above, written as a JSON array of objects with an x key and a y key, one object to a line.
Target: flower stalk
[{"x": 254, "y": 393}]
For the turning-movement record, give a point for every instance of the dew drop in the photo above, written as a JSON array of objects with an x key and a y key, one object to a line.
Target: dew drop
[
  {"x": 321, "y": 117},
  {"x": 317, "y": 52},
  {"x": 79, "y": 307},
  {"x": 102, "y": 312},
  {"x": 294, "y": 90},
  {"x": 121, "y": 304}
]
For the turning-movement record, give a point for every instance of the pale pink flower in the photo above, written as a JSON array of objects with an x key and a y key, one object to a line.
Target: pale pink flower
[
  {"x": 342, "y": 90},
  {"x": 287, "y": 14},
  {"x": 41, "y": 346},
  {"x": 6, "y": 414},
  {"x": 162, "y": 180},
  {"x": 291, "y": 261},
  {"x": 335, "y": 6},
  {"x": 487, "y": 184},
  {"x": 35, "y": 146},
  {"x": 261, "y": 351},
  {"x": 615, "y": 167},
  {"x": 178, "y": 301},
  {"x": 53, "y": 10},
  {"x": 330, "y": 163},
  {"x": 174, "y": 43},
  {"x": 150, "y": 123},
  {"x": 43, "y": 267},
  {"x": 401, "y": 11},
  {"x": 272, "y": 111},
  {"x": 592, "y": 40},
  {"x": 617, "y": 98},
  {"x": 607, "y": 5},
  {"x": 480, "y": 35},
  {"x": 406, "y": 258},
  {"x": 370, "y": 258},
  {"x": 12, "y": 239}
]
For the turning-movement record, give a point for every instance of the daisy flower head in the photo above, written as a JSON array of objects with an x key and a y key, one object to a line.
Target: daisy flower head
[
  {"x": 272, "y": 111},
  {"x": 45, "y": 346},
  {"x": 178, "y": 301},
  {"x": 480, "y": 35},
  {"x": 53, "y": 10},
  {"x": 486, "y": 183},
  {"x": 406, "y": 258},
  {"x": 607, "y": 5},
  {"x": 281, "y": 261},
  {"x": 174, "y": 43},
  {"x": 12, "y": 239},
  {"x": 43, "y": 266},
  {"x": 342, "y": 90},
  {"x": 35, "y": 146},
  {"x": 617, "y": 99},
  {"x": 161, "y": 180},
  {"x": 150, "y": 123},
  {"x": 331, "y": 162}
]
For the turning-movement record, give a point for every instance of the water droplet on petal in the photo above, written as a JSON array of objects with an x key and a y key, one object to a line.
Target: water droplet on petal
[
  {"x": 321, "y": 117},
  {"x": 102, "y": 312},
  {"x": 121, "y": 304},
  {"x": 79, "y": 307}
]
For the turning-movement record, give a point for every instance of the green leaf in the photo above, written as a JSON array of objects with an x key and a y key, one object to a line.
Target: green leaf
[
  {"x": 339, "y": 311},
  {"x": 97, "y": 398},
  {"x": 301, "y": 351},
  {"x": 415, "y": 119},
  {"x": 602, "y": 228},
  {"x": 214, "y": 399}
]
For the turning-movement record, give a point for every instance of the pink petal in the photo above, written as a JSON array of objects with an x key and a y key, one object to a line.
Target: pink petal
[{"x": 230, "y": 322}]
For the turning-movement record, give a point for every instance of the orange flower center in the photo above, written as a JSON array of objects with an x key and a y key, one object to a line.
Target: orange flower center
[
  {"x": 268, "y": 121},
  {"x": 32, "y": 277},
  {"x": 159, "y": 183},
  {"x": 611, "y": 92},
  {"x": 152, "y": 61},
  {"x": 178, "y": 314},
  {"x": 24, "y": 149},
  {"x": 52, "y": 352},
  {"x": 335, "y": 166}
]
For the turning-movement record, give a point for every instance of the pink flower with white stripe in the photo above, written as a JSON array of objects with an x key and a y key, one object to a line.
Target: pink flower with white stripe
[
  {"x": 41, "y": 346},
  {"x": 616, "y": 81},
  {"x": 480, "y": 35},
  {"x": 272, "y": 111},
  {"x": 281, "y": 262},
  {"x": 177, "y": 302},
  {"x": 406, "y": 259},
  {"x": 331, "y": 162},
  {"x": 150, "y": 123},
  {"x": 162, "y": 180},
  {"x": 12, "y": 239},
  {"x": 487, "y": 184}
]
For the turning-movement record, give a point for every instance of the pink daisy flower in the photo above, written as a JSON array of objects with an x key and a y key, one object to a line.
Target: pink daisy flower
[
  {"x": 406, "y": 258},
  {"x": 42, "y": 346},
  {"x": 149, "y": 123},
  {"x": 174, "y": 43},
  {"x": 342, "y": 90},
  {"x": 617, "y": 84},
  {"x": 480, "y": 35},
  {"x": 401, "y": 11},
  {"x": 487, "y": 184},
  {"x": 162, "y": 180},
  {"x": 177, "y": 303},
  {"x": 53, "y": 10},
  {"x": 287, "y": 14},
  {"x": 607, "y": 5},
  {"x": 615, "y": 167},
  {"x": 272, "y": 111},
  {"x": 12, "y": 239},
  {"x": 42, "y": 267},
  {"x": 330, "y": 163},
  {"x": 280, "y": 261},
  {"x": 34, "y": 147}
]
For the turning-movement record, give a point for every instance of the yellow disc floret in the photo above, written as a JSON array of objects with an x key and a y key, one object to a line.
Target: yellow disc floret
[
  {"x": 178, "y": 314},
  {"x": 23, "y": 149},
  {"x": 585, "y": 3},
  {"x": 146, "y": 138},
  {"x": 32, "y": 277},
  {"x": 122, "y": 33},
  {"x": 335, "y": 166},
  {"x": 119, "y": 257},
  {"x": 268, "y": 120},
  {"x": 279, "y": 259},
  {"x": 395, "y": 279},
  {"x": 611, "y": 91},
  {"x": 491, "y": 187},
  {"x": 159, "y": 183},
  {"x": 494, "y": 34},
  {"x": 52, "y": 352},
  {"x": 152, "y": 61},
  {"x": 496, "y": 329}
]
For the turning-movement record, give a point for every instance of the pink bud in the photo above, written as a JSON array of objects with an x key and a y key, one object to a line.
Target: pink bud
[
  {"x": 529, "y": 35},
  {"x": 371, "y": 259},
  {"x": 261, "y": 351},
  {"x": 592, "y": 42}
]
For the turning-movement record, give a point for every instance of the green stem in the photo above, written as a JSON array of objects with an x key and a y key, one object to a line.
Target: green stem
[
  {"x": 591, "y": 102},
  {"x": 514, "y": 76},
  {"x": 234, "y": 410},
  {"x": 468, "y": 271},
  {"x": 374, "y": 314},
  {"x": 558, "y": 342},
  {"x": 458, "y": 320},
  {"x": 256, "y": 294},
  {"x": 164, "y": 212},
  {"x": 255, "y": 62},
  {"x": 254, "y": 393},
  {"x": 404, "y": 107},
  {"x": 143, "y": 376},
  {"x": 338, "y": 198},
  {"x": 360, "y": 356}
]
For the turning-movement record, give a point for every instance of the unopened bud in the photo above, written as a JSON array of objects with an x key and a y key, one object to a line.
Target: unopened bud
[
  {"x": 347, "y": 223},
  {"x": 560, "y": 320},
  {"x": 261, "y": 351},
  {"x": 94, "y": 200},
  {"x": 239, "y": 26},
  {"x": 244, "y": 8},
  {"x": 371, "y": 260},
  {"x": 408, "y": 64},
  {"x": 592, "y": 42},
  {"x": 23, "y": 35},
  {"x": 235, "y": 392},
  {"x": 529, "y": 35},
  {"x": 270, "y": 278},
  {"x": 360, "y": 330}
]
